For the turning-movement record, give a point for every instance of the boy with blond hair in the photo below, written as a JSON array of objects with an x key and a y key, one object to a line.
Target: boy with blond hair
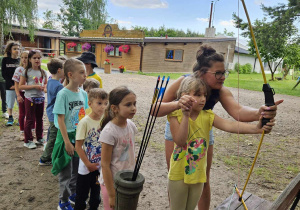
[{"x": 89, "y": 150}]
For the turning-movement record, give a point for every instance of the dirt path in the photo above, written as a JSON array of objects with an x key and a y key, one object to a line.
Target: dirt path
[{"x": 25, "y": 185}]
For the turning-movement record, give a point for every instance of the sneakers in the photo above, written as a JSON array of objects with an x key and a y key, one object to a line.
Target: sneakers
[
  {"x": 72, "y": 199},
  {"x": 10, "y": 122},
  {"x": 22, "y": 136},
  {"x": 5, "y": 115},
  {"x": 45, "y": 163},
  {"x": 40, "y": 141},
  {"x": 64, "y": 206},
  {"x": 30, "y": 145}
]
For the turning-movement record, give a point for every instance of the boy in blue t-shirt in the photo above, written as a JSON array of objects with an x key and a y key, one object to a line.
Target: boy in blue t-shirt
[
  {"x": 69, "y": 109},
  {"x": 55, "y": 66}
]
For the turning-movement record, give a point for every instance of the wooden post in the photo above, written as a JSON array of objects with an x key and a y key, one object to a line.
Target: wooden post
[{"x": 107, "y": 69}]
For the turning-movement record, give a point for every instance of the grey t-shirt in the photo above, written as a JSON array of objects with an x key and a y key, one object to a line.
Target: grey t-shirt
[{"x": 34, "y": 77}]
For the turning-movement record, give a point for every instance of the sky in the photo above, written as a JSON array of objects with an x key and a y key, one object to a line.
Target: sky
[{"x": 178, "y": 14}]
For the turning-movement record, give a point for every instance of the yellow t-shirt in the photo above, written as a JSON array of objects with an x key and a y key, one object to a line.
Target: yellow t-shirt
[
  {"x": 95, "y": 76},
  {"x": 188, "y": 163}
]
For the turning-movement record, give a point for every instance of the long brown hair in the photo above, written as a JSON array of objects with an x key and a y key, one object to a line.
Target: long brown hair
[
  {"x": 9, "y": 45},
  {"x": 115, "y": 98},
  {"x": 206, "y": 56},
  {"x": 29, "y": 64}
]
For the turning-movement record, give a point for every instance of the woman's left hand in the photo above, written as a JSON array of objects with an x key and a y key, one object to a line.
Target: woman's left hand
[
  {"x": 269, "y": 112},
  {"x": 268, "y": 127}
]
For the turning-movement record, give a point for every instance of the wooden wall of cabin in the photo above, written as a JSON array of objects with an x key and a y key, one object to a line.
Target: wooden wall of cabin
[{"x": 154, "y": 56}]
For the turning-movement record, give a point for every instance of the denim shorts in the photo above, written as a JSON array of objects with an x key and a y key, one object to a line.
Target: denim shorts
[
  {"x": 168, "y": 135},
  {"x": 11, "y": 97}
]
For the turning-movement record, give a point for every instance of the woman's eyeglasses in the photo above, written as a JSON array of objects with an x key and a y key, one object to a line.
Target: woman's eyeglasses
[{"x": 220, "y": 74}]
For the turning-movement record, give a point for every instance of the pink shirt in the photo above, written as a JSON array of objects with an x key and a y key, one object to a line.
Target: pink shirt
[{"x": 122, "y": 139}]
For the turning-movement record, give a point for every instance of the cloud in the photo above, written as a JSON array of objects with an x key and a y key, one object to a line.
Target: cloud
[
  {"x": 44, "y": 5},
  {"x": 151, "y": 4},
  {"x": 226, "y": 23},
  {"x": 124, "y": 22},
  {"x": 259, "y": 2},
  {"x": 202, "y": 19}
]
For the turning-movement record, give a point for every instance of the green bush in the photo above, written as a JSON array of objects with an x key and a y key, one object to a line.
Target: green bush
[
  {"x": 247, "y": 68},
  {"x": 243, "y": 69}
]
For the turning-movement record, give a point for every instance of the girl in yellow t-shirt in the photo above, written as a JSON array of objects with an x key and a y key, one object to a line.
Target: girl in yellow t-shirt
[{"x": 190, "y": 131}]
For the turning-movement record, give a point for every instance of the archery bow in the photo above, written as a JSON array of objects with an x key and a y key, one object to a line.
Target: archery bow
[{"x": 269, "y": 100}]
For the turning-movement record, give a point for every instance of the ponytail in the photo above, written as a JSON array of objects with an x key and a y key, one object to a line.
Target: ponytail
[{"x": 107, "y": 117}]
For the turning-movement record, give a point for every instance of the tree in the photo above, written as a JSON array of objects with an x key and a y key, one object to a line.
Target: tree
[
  {"x": 78, "y": 15},
  {"x": 226, "y": 33},
  {"x": 284, "y": 13},
  {"x": 22, "y": 12},
  {"x": 50, "y": 19},
  {"x": 291, "y": 59},
  {"x": 272, "y": 39},
  {"x": 162, "y": 31}
]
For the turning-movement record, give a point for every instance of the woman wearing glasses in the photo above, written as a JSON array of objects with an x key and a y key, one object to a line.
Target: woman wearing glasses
[{"x": 211, "y": 69}]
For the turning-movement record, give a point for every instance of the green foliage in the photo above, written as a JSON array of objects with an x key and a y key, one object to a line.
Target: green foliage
[
  {"x": 226, "y": 33},
  {"x": 171, "y": 32},
  {"x": 243, "y": 69},
  {"x": 284, "y": 14},
  {"x": 273, "y": 38},
  {"x": 49, "y": 19},
  {"x": 22, "y": 11},
  {"x": 78, "y": 15},
  {"x": 292, "y": 57}
]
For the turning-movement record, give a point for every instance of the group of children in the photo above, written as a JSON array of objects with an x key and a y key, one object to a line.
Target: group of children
[{"x": 91, "y": 135}]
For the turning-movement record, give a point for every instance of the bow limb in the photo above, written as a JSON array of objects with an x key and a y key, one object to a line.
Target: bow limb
[{"x": 268, "y": 91}]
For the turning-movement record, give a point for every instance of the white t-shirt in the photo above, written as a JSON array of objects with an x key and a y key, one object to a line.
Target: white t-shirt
[
  {"x": 89, "y": 130},
  {"x": 123, "y": 141}
]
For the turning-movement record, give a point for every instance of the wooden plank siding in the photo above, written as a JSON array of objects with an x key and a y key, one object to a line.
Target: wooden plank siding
[
  {"x": 155, "y": 53},
  {"x": 130, "y": 60}
]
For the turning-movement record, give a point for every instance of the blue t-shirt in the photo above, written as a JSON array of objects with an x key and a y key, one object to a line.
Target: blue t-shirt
[
  {"x": 72, "y": 105},
  {"x": 53, "y": 86}
]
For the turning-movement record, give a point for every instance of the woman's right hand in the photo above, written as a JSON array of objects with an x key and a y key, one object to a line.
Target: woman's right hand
[
  {"x": 20, "y": 99},
  {"x": 69, "y": 149},
  {"x": 186, "y": 102},
  {"x": 112, "y": 202}
]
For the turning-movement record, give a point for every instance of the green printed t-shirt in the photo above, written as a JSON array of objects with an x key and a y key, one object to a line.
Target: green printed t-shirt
[
  {"x": 72, "y": 105},
  {"x": 188, "y": 163}
]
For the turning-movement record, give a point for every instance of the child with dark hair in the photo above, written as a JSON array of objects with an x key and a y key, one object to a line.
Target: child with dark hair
[
  {"x": 89, "y": 150},
  {"x": 117, "y": 138},
  {"x": 9, "y": 65},
  {"x": 55, "y": 66},
  {"x": 2, "y": 92},
  {"x": 89, "y": 60}
]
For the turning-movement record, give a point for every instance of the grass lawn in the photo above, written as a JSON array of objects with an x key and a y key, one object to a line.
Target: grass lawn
[{"x": 249, "y": 82}]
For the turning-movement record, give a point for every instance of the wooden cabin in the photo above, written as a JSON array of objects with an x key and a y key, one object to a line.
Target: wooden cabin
[{"x": 45, "y": 40}]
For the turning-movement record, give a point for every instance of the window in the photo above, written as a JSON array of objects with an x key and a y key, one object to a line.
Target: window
[
  {"x": 93, "y": 48},
  {"x": 78, "y": 47},
  {"x": 115, "y": 52},
  {"x": 174, "y": 55}
]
